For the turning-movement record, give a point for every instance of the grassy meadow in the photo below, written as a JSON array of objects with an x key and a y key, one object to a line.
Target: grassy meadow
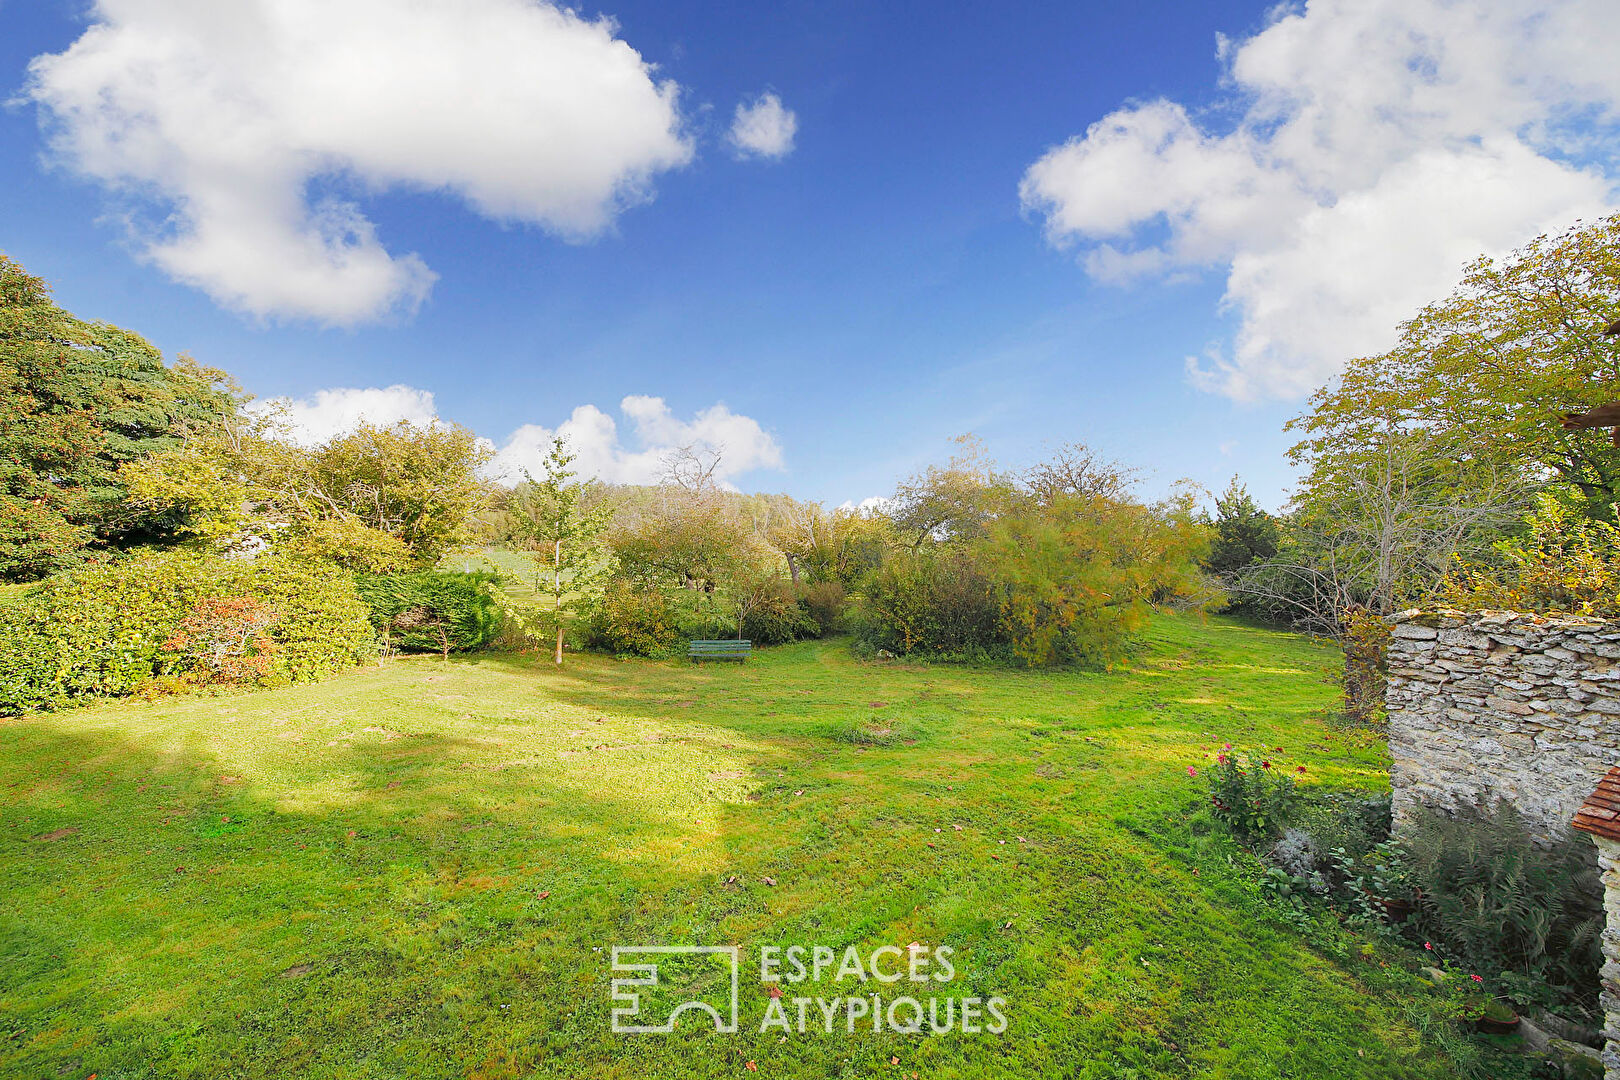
[{"x": 419, "y": 869}]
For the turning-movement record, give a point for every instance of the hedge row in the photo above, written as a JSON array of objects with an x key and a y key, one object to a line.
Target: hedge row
[
  {"x": 102, "y": 629},
  {"x": 431, "y": 611}
]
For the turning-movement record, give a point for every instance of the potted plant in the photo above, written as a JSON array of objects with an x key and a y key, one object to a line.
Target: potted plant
[
  {"x": 1497, "y": 1018},
  {"x": 1387, "y": 882}
]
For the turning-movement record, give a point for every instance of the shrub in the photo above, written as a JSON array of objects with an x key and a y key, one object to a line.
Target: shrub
[
  {"x": 225, "y": 640},
  {"x": 775, "y": 616},
  {"x": 636, "y": 619},
  {"x": 1504, "y": 905},
  {"x": 433, "y": 610},
  {"x": 932, "y": 602},
  {"x": 824, "y": 602},
  {"x": 1366, "y": 667},
  {"x": 1253, "y": 798},
  {"x": 102, "y": 629},
  {"x": 1564, "y": 561},
  {"x": 321, "y": 624}
]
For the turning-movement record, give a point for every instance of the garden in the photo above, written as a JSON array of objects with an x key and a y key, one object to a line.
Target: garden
[{"x": 343, "y": 758}]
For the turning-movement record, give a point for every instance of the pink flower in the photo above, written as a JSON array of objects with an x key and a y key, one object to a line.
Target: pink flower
[
  {"x": 1220, "y": 758},
  {"x": 1426, "y": 945},
  {"x": 1476, "y": 978},
  {"x": 1191, "y": 771},
  {"x": 1228, "y": 746}
]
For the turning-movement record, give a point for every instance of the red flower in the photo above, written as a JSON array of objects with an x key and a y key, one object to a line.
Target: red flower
[
  {"x": 1276, "y": 749},
  {"x": 1299, "y": 768},
  {"x": 1426, "y": 945},
  {"x": 1265, "y": 764},
  {"x": 1476, "y": 978},
  {"x": 1191, "y": 771}
]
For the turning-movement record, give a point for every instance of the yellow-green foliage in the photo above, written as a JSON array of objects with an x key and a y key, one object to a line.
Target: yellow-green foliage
[
  {"x": 637, "y": 620},
  {"x": 100, "y": 630},
  {"x": 1565, "y": 561},
  {"x": 350, "y": 543}
]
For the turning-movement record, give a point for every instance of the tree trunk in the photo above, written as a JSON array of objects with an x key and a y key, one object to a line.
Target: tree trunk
[
  {"x": 556, "y": 595},
  {"x": 793, "y": 564}
]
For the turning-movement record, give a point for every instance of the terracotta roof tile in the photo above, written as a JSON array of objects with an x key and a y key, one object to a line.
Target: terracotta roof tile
[{"x": 1600, "y": 814}]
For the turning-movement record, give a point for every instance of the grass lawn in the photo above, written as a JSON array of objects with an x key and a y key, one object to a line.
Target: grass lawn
[{"x": 419, "y": 870}]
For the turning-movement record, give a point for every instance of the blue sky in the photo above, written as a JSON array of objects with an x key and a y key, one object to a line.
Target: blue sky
[{"x": 883, "y": 285}]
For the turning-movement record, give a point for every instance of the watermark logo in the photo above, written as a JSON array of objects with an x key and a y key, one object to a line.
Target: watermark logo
[
  {"x": 687, "y": 985},
  {"x": 807, "y": 988}
]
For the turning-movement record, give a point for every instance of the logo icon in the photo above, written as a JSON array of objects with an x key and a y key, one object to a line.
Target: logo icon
[{"x": 696, "y": 976}]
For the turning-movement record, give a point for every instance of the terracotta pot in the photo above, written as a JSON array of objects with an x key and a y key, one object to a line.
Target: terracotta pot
[{"x": 1496, "y": 1025}]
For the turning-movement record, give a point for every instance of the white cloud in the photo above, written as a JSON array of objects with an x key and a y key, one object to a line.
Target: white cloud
[
  {"x": 327, "y": 413},
  {"x": 764, "y": 128},
  {"x": 1380, "y": 145},
  {"x": 253, "y": 125}
]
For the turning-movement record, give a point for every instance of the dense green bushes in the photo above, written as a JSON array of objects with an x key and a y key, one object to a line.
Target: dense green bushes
[
  {"x": 104, "y": 629},
  {"x": 937, "y": 602},
  {"x": 431, "y": 611}
]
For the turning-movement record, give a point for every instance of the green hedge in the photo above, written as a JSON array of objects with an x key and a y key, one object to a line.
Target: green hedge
[
  {"x": 432, "y": 611},
  {"x": 100, "y": 630}
]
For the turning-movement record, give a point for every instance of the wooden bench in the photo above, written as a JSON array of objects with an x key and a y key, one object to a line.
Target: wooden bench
[{"x": 719, "y": 650}]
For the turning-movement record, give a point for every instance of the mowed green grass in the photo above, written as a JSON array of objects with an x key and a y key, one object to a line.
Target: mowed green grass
[{"x": 420, "y": 869}]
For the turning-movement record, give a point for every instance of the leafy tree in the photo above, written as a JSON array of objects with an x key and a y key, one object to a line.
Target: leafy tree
[
  {"x": 77, "y": 400},
  {"x": 1244, "y": 533},
  {"x": 1485, "y": 374},
  {"x": 419, "y": 483},
  {"x": 566, "y": 537},
  {"x": 417, "y": 486},
  {"x": 956, "y": 501}
]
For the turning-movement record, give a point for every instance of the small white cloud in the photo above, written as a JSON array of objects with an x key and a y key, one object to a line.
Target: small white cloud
[
  {"x": 327, "y": 413},
  {"x": 764, "y": 128},
  {"x": 220, "y": 120},
  {"x": 1379, "y": 146},
  {"x": 872, "y": 504}
]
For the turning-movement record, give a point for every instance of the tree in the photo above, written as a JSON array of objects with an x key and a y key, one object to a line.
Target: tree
[
  {"x": 77, "y": 401},
  {"x": 956, "y": 501},
  {"x": 403, "y": 489},
  {"x": 1379, "y": 529},
  {"x": 419, "y": 483},
  {"x": 1244, "y": 533},
  {"x": 1486, "y": 372},
  {"x": 564, "y": 534},
  {"x": 1077, "y": 471}
]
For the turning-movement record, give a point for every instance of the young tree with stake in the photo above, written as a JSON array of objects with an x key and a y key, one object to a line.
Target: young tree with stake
[{"x": 565, "y": 537}]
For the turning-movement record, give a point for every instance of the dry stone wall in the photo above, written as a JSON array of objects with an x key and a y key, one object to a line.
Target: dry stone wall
[{"x": 1502, "y": 704}]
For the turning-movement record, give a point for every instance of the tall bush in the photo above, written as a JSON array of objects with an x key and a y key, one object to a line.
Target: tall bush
[{"x": 932, "y": 601}]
